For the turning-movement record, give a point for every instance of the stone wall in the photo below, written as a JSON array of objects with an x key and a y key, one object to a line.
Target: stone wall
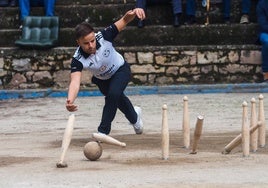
[{"x": 32, "y": 69}]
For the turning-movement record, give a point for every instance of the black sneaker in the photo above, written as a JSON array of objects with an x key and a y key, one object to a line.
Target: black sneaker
[
  {"x": 227, "y": 20},
  {"x": 176, "y": 22},
  {"x": 190, "y": 20},
  {"x": 141, "y": 24},
  {"x": 12, "y": 3}
]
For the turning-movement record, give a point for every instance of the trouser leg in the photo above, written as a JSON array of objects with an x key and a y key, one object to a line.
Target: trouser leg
[
  {"x": 24, "y": 8},
  {"x": 264, "y": 42},
  {"x": 190, "y": 7},
  {"x": 226, "y": 8},
  {"x": 141, "y": 4},
  {"x": 177, "y": 6},
  {"x": 113, "y": 89},
  {"x": 246, "y": 6},
  {"x": 49, "y": 7}
]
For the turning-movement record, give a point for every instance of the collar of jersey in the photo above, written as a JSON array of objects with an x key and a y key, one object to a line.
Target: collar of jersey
[{"x": 86, "y": 55}]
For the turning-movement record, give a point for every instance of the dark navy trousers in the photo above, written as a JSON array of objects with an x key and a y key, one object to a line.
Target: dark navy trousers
[
  {"x": 246, "y": 5},
  {"x": 264, "y": 42},
  {"x": 25, "y": 7},
  {"x": 176, "y": 4},
  {"x": 113, "y": 90}
]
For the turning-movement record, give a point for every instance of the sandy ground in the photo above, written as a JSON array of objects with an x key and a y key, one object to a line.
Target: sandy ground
[{"x": 32, "y": 131}]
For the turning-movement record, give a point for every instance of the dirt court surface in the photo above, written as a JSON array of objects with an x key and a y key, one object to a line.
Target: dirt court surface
[{"x": 32, "y": 131}]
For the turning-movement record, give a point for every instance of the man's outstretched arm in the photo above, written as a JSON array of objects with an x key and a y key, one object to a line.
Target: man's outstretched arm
[{"x": 73, "y": 91}]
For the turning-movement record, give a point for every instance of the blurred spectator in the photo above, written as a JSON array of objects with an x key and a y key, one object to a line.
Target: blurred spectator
[
  {"x": 191, "y": 9},
  {"x": 190, "y": 12},
  {"x": 25, "y": 7},
  {"x": 262, "y": 16},
  {"x": 246, "y": 4},
  {"x": 6, "y": 3},
  {"x": 176, "y": 4}
]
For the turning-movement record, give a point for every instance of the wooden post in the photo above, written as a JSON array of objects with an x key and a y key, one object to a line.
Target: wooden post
[
  {"x": 207, "y": 12},
  {"x": 186, "y": 123},
  {"x": 165, "y": 134},
  {"x": 245, "y": 130},
  {"x": 261, "y": 118},
  {"x": 197, "y": 133},
  {"x": 253, "y": 122},
  {"x": 238, "y": 139}
]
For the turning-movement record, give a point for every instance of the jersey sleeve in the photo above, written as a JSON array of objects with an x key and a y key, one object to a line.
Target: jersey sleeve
[
  {"x": 76, "y": 65},
  {"x": 109, "y": 33}
]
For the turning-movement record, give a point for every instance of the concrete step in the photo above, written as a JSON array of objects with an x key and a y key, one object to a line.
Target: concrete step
[
  {"x": 103, "y": 14},
  {"x": 214, "y": 34},
  {"x": 94, "y": 2},
  {"x": 158, "y": 30},
  {"x": 69, "y": 15}
]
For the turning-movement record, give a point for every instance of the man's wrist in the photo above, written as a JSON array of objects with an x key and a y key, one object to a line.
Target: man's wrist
[{"x": 68, "y": 101}]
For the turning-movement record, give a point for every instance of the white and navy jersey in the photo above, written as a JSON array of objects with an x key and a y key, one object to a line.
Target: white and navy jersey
[{"x": 106, "y": 61}]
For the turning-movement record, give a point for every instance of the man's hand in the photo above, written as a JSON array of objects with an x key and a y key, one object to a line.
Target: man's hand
[
  {"x": 70, "y": 106},
  {"x": 131, "y": 14},
  {"x": 139, "y": 13},
  {"x": 128, "y": 17}
]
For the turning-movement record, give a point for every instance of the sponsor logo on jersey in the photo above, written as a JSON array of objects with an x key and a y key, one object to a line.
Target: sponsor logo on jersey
[
  {"x": 106, "y": 52},
  {"x": 103, "y": 68}
]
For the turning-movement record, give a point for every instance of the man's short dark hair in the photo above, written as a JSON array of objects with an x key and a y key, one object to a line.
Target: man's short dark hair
[{"x": 83, "y": 29}]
